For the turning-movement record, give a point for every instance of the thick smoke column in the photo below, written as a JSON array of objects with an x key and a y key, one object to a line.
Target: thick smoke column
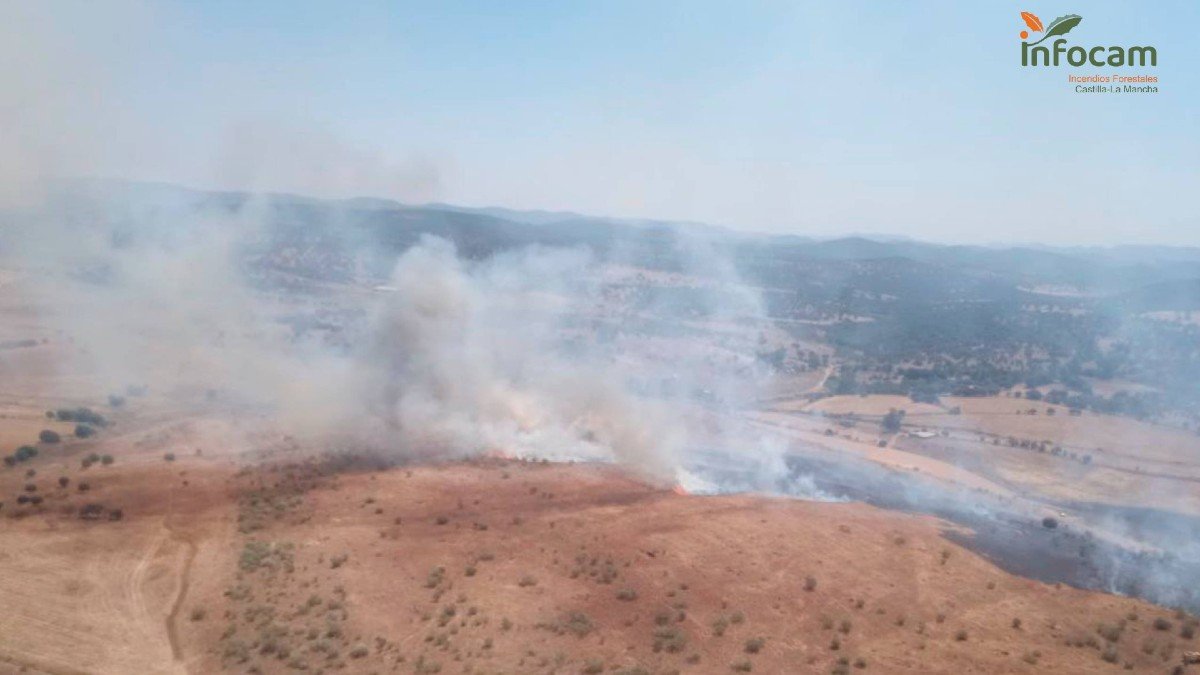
[{"x": 464, "y": 360}]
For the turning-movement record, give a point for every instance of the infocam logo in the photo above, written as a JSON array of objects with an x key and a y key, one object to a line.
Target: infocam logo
[{"x": 1034, "y": 55}]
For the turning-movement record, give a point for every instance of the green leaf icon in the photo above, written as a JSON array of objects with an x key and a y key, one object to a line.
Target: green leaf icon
[{"x": 1060, "y": 26}]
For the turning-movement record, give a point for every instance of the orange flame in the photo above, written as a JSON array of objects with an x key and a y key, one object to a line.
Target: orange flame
[
  {"x": 680, "y": 490},
  {"x": 498, "y": 453}
]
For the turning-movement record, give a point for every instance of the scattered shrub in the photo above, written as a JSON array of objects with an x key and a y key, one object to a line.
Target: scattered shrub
[
  {"x": 1109, "y": 632},
  {"x": 719, "y": 625},
  {"x": 1109, "y": 654}
]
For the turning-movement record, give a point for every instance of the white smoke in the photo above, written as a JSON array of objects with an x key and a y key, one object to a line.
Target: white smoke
[{"x": 472, "y": 359}]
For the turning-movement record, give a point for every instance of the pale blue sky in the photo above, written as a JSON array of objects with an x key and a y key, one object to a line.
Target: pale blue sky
[{"x": 910, "y": 118}]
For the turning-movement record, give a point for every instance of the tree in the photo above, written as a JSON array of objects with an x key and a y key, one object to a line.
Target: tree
[{"x": 892, "y": 420}]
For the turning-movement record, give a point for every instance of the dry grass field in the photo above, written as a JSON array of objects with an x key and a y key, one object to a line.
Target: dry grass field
[{"x": 304, "y": 564}]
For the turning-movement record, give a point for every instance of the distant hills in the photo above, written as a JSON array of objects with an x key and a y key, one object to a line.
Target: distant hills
[{"x": 1150, "y": 277}]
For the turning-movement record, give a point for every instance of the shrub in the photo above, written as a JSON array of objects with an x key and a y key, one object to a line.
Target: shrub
[
  {"x": 1016, "y": 624},
  {"x": 435, "y": 577},
  {"x": 170, "y": 457},
  {"x": 107, "y": 460},
  {"x": 359, "y": 651},
  {"x": 961, "y": 635},
  {"x": 198, "y": 614},
  {"x": 1109, "y": 654},
  {"x": 25, "y": 452},
  {"x": 627, "y": 594},
  {"x": 48, "y": 436},
  {"x": 1049, "y": 523},
  {"x": 84, "y": 431},
  {"x": 1109, "y": 632},
  {"x": 84, "y": 486},
  {"x": 755, "y": 645},
  {"x": 526, "y": 581},
  {"x": 743, "y": 666},
  {"x": 810, "y": 583},
  {"x": 63, "y": 481},
  {"x": 1162, "y": 624},
  {"x": 672, "y": 640},
  {"x": 719, "y": 625}
]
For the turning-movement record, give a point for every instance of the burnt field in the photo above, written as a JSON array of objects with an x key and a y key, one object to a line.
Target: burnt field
[{"x": 1143, "y": 553}]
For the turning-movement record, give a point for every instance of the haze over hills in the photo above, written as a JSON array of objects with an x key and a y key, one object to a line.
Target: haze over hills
[
  {"x": 1108, "y": 269},
  {"x": 284, "y": 433}
]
